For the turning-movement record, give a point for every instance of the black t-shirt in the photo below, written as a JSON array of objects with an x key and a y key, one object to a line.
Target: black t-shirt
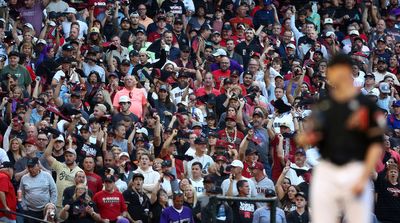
[
  {"x": 341, "y": 144},
  {"x": 137, "y": 205},
  {"x": 119, "y": 117},
  {"x": 86, "y": 150},
  {"x": 243, "y": 211},
  {"x": 69, "y": 193},
  {"x": 294, "y": 217},
  {"x": 387, "y": 208},
  {"x": 177, "y": 8},
  {"x": 77, "y": 211}
]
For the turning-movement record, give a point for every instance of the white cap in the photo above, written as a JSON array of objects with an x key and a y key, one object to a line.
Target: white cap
[
  {"x": 328, "y": 21},
  {"x": 306, "y": 113},
  {"x": 60, "y": 138},
  {"x": 237, "y": 163},
  {"x": 291, "y": 45},
  {"x": 41, "y": 41},
  {"x": 70, "y": 10},
  {"x": 124, "y": 154},
  {"x": 123, "y": 98},
  {"x": 354, "y": 32},
  {"x": 219, "y": 52},
  {"x": 30, "y": 26},
  {"x": 52, "y": 23},
  {"x": 329, "y": 34},
  {"x": 143, "y": 131}
]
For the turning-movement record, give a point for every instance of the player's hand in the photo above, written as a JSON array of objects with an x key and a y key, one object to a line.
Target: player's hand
[{"x": 358, "y": 187}]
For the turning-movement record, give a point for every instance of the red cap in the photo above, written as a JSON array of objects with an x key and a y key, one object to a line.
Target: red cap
[
  {"x": 30, "y": 140},
  {"x": 232, "y": 117},
  {"x": 257, "y": 165},
  {"x": 223, "y": 158},
  {"x": 220, "y": 143}
]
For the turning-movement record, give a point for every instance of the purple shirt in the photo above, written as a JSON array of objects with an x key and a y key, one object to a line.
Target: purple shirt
[
  {"x": 33, "y": 16},
  {"x": 170, "y": 215},
  {"x": 234, "y": 66}
]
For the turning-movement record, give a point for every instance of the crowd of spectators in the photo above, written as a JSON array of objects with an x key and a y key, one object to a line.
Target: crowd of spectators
[{"x": 140, "y": 111}]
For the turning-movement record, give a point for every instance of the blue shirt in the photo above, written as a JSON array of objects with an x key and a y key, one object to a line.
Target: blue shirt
[{"x": 263, "y": 215}]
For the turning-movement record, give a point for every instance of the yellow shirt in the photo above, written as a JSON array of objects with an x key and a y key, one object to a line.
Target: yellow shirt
[{"x": 65, "y": 178}]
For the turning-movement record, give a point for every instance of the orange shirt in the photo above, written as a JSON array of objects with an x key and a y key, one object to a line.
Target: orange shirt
[{"x": 138, "y": 100}]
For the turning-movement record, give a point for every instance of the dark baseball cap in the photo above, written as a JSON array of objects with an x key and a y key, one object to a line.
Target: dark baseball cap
[
  {"x": 110, "y": 178},
  {"x": 32, "y": 162},
  {"x": 200, "y": 140},
  {"x": 137, "y": 175},
  {"x": 6, "y": 164}
]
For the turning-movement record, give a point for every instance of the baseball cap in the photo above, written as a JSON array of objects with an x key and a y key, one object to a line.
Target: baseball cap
[
  {"x": 208, "y": 179},
  {"x": 164, "y": 87},
  {"x": 125, "y": 20},
  {"x": 328, "y": 21},
  {"x": 227, "y": 27},
  {"x": 124, "y": 154},
  {"x": 67, "y": 47},
  {"x": 381, "y": 40},
  {"x": 237, "y": 163},
  {"x": 291, "y": 45},
  {"x": 41, "y": 41},
  {"x": 70, "y": 10},
  {"x": 257, "y": 165},
  {"x": 32, "y": 162},
  {"x": 285, "y": 124},
  {"x": 200, "y": 141},
  {"x": 369, "y": 75},
  {"x": 301, "y": 150},
  {"x": 137, "y": 175},
  {"x": 219, "y": 52},
  {"x": 329, "y": 34},
  {"x": 354, "y": 32},
  {"x": 125, "y": 62},
  {"x": 30, "y": 26},
  {"x": 70, "y": 150},
  {"x": 60, "y": 138},
  {"x": 231, "y": 117},
  {"x": 124, "y": 98},
  {"x": 133, "y": 53},
  {"x": 143, "y": 131},
  {"x": 111, "y": 178},
  {"x": 381, "y": 59},
  {"x": 94, "y": 30},
  {"x": 269, "y": 193},
  {"x": 197, "y": 124},
  {"x": 301, "y": 194},
  {"x": 221, "y": 158},
  {"x": 178, "y": 21},
  {"x": 396, "y": 104},
  {"x": 220, "y": 143},
  {"x": 30, "y": 140},
  {"x": 384, "y": 87},
  {"x": 140, "y": 30}
]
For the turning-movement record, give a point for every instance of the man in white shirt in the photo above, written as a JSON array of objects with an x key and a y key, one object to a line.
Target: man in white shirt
[
  {"x": 197, "y": 179},
  {"x": 297, "y": 169},
  {"x": 199, "y": 156},
  {"x": 91, "y": 65},
  {"x": 151, "y": 177},
  {"x": 381, "y": 72},
  {"x": 71, "y": 17},
  {"x": 236, "y": 175}
]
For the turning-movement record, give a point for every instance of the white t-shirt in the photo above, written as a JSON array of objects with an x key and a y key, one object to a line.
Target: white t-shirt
[
  {"x": 226, "y": 182},
  {"x": 87, "y": 69},
  {"x": 286, "y": 117},
  {"x": 198, "y": 186},
  {"x": 3, "y": 156},
  {"x": 205, "y": 160},
  {"x": 83, "y": 28}
]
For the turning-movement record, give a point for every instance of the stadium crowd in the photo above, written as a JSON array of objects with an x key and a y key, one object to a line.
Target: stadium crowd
[{"x": 140, "y": 111}]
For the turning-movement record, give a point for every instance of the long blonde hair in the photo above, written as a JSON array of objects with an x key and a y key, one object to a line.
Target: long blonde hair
[
  {"x": 87, "y": 197},
  {"x": 194, "y": 194},
  {"x": 21, "y": 148}
]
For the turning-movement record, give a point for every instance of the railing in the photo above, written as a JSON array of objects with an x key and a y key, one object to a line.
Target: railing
[
  {"x": 23, "y": 215},
  {"x": 271, "y": 200}
]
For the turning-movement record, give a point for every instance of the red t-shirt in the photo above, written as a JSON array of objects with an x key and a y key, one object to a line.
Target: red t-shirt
[
  {"x": 219, "y": 75},
  {"x": 246, "y": 20},
  {"x": 110, "y": 205},
  {"x": 94, "y": 182},
  {"x": 11, "y": 199},
  {"x": 246, "y": 170},
  {"x": 239, "y": 137},
  {"x": 289, "y": 152},
  {"x": 153, "y": 37}
]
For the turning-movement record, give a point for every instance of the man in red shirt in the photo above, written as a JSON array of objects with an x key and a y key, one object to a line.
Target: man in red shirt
[
  {"x": 110, "y": 202},
  {"x": 223, "y": 72},
  {"x": 231, "y": 134},
  {"x": 94, "y": 181},
  {"x": 241, "y": 18},
  {"x": 161, "y": 28},
  {"x": 8, "y": 199},
  {"x": 208, "y": 87}
]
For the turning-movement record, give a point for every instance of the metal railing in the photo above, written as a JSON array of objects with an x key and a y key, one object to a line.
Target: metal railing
[
  {"x": 23, "y": 215},
  {"x": 272, "y": 201}
]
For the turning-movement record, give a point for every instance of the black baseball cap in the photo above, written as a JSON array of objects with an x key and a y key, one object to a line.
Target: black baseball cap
[
  {"x": 14, "y": 53},
  {"x": 32, "y": 162},
  {"x": 137, "y": 175},
  {"x": 109, "y": 178},
  {"x": 200, "y": 140}
]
